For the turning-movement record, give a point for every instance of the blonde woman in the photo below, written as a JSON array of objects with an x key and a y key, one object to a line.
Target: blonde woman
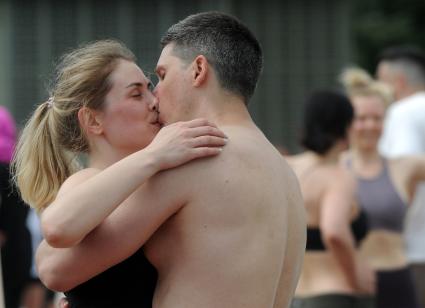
[
  {"x": 384, "y": 189},
  {"x": 101, "y": 105},
  {"x": 332, "y": 275}
]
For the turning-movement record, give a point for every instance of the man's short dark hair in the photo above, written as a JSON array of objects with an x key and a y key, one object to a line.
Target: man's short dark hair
[
  {"x": 327, "y": 117},
  {"x": 229, "y": 46}
]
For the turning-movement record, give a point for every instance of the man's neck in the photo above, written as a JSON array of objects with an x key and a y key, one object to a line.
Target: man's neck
[
  {"x": 410, "y": 91},
  {"x": 224, "y": 109}
]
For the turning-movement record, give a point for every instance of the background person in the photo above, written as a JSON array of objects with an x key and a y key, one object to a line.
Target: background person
[
  {"x": 35, "y": 295},
  {"x": 403, "y": 69},
  {"x": 14, "y": 237},
  {"x": 333, "y": 274},
  {"x": 384, "y": 189}
]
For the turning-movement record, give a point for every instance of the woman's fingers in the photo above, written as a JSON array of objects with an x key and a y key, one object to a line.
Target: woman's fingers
[
  {"x": 208, "y": 141},
  {"x": 202, "y": 127},
  {"x": 195, "y": 128},
  {"x": 205, "y": 131},
  {"x": 199, "y": 122},
  {"x": 205, "y": 152}
]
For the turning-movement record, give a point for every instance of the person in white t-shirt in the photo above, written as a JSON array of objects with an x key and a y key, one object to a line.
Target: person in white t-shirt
[{"x": 403, "y": 68}]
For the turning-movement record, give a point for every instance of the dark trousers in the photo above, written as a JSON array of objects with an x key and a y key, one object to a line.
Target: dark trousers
[
  {"x": 334, "y": 301},
  {"x": 396, "y": 289},
  {"x": 418, "y": 273}
]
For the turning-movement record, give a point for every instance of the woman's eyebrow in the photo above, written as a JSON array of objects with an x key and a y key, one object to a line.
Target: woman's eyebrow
[{"x": 135, "y": 84}]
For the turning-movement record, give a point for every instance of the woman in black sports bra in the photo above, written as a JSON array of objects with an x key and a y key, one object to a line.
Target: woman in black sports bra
[
  {"x": 101, "y": 105},
  {"x": 333, "y": 274}
]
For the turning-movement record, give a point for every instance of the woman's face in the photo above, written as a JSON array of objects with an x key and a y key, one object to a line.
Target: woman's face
[
  {"x": 129, "y": 116},
  {"x": 368, "y": 121}
]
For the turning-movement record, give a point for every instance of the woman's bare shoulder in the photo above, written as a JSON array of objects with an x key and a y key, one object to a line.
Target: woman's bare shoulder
[{"x": 77, "y": 178}]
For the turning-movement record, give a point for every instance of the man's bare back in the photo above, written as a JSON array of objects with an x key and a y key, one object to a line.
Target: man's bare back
[{"x": 229, "y": 246}]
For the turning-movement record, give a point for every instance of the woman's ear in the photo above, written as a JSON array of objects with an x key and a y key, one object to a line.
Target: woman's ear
[
  {"x": 200, "y": 70},
  {"x": 90, "y": 120}
]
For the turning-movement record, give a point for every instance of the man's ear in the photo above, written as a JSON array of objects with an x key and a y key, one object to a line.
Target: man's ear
[
  {"x": 200, "y": 68},
  {"x": 90, "y": 120}
]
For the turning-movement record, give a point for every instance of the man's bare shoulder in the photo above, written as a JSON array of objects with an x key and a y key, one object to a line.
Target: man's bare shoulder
[
  {"x": 180, "y": 181},
  {"x": 248, "y": 157}
]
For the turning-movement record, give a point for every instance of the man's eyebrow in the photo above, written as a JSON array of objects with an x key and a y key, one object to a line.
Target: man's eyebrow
[{"x": 135, "y": 84}]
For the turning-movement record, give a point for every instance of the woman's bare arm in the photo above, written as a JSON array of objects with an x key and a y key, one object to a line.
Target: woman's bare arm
[{"x": 89, "y": 196}]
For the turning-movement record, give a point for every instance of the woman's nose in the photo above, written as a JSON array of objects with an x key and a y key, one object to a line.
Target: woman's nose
[{"x": 154, "y": 104}]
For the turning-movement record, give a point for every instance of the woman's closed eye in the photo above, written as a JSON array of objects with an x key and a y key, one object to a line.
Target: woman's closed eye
[{"x": 137, "y": 94}]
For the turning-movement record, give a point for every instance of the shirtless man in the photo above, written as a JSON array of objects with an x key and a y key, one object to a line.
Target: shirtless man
[{"x": 229, "y": 231}]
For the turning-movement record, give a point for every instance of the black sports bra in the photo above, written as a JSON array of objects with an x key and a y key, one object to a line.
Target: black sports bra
[
  {"x": 128, "y": 284},
  {"x": 359, "y": 227}
]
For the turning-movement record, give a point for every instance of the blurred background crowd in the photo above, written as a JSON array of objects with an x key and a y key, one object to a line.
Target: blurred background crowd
[{"x": 308, "y": 45}]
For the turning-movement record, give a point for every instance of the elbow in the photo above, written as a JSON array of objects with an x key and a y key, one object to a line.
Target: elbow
[
  {"x": 56, "y": 235},
  {"x": 51, "y": 277},
  {"x": 333, "y": 239}
]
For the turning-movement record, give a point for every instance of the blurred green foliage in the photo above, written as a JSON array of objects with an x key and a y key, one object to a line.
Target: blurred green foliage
[{"x": 378, "y": 24}]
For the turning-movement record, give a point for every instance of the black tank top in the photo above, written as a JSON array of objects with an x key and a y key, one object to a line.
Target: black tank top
[{"x": 129, "y": 284}]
